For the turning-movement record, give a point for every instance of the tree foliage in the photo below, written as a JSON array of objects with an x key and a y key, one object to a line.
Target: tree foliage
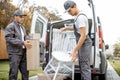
[
  {"x": 52, "y": 16},
  {"x": 7, "y": 11},
  {"x": 117, "y": 49}
]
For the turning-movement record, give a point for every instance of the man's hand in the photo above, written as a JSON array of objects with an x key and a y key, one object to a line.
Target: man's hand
[
  {"x": 66, "y": 28},
  {"x": 62, "y": 29},
  {"x": 27, "y": 44},
  {"x": 74, "y": 56}
]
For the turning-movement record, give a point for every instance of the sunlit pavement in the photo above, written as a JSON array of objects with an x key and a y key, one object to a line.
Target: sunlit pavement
[
  {"x": 34, "y": 78},
  {"x": 111, "y": 73}
]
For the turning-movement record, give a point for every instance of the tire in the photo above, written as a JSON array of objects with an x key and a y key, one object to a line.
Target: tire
[{"x": 103, "y": 77}]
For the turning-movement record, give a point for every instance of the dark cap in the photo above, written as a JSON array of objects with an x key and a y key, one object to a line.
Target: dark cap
[
  {"x": 19, "y": 13},
  {"x": 68, "y": 4}
]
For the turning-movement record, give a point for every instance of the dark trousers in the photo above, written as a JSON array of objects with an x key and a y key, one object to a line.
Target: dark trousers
[
  {"x": 18, "y": 62},
  {"x": 84, "y": 60}
]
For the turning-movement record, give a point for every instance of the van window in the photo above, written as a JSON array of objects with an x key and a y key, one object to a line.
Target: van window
[{"x": 39, "y": 27}]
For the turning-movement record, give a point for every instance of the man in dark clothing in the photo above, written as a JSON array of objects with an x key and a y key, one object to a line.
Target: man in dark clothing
[
  {"x": 83, "y": 47},
  {"x": 16, "y": 42}
]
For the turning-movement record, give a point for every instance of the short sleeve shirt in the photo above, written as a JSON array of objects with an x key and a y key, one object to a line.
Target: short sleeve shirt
[{"x": 81, "y": 21}]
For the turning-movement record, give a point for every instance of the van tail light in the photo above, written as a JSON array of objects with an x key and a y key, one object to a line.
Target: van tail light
[
  {"x": 100, "y": 38},
  {"x": 93, "y": 71}
]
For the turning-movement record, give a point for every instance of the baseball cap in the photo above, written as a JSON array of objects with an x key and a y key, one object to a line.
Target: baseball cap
[
  {"x": 68, "y": 4},
  {"x": 19, "y": 13}
]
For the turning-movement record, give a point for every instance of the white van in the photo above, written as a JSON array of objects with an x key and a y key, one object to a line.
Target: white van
[{"x": 41, "y": 25}]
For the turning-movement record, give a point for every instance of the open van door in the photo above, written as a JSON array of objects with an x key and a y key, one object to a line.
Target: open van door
[{"x": 39, "y": 26}]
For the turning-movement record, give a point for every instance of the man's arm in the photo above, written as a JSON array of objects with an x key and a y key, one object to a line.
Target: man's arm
[
  {"x": 11, "y": 37},
  {"x": 82, "y": 38},
  {"x": 67, "y": 28}
]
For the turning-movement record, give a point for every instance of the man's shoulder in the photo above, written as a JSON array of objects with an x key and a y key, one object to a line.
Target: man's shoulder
[
  {"x": 81, "y": 16},
  {"x": 11, "y": 25}
]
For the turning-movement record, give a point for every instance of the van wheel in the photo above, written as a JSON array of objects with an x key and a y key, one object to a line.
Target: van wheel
[{"x": 103, "y": 77}]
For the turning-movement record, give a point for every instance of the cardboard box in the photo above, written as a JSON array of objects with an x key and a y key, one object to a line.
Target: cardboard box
[
  {"x": 35, "y": 36},
  {"x": 33, "y": 54}
]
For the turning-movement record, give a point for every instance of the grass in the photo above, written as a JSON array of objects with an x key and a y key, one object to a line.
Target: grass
[
  {"x": 4, "y": 71},
  {"x": 116, "y": 65}
]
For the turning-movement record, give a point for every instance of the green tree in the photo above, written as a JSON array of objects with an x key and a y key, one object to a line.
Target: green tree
[
  {"x": 6, "y": 13},
  {"x": 109, "y": 56},
  {"x": 7, "y": 9},
  {"x": 116, "y": 49},
  {"x": 51, "y": 15}
]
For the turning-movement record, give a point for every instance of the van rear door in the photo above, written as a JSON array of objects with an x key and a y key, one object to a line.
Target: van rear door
[{"x": 39, "y": 26}]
